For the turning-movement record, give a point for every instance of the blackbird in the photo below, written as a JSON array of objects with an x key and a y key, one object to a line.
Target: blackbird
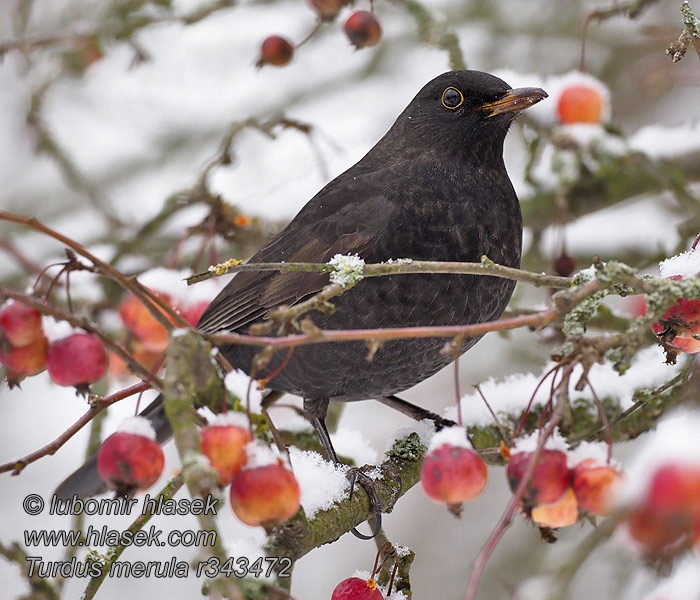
[{"x": 435, "y": 187}]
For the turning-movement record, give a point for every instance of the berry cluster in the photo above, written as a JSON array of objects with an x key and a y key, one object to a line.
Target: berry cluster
[
  {"x": 362, "y": 29},
  {"x": 146, "y": 338},
  {"x": 263, "y": 491},
  {"x": 679, "y": 326},
  {"x": 564, "y": 485},
  {"x": 76, "y": 360}
]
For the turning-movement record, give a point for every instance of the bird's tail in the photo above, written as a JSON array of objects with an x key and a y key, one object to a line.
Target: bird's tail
[{"x": 85, "y": 481}]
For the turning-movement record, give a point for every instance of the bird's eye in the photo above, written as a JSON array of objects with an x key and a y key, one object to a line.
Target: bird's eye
[{"x": 452, "y": 98}]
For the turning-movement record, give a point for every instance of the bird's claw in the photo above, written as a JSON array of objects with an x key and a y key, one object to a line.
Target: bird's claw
[{"x": 358, "y": 475}]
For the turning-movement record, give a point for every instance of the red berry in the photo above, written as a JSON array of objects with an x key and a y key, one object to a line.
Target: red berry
[
  {"x": 275, "y": 50},
  {"x": 224, "y": 446},
  {"x": 674, "y": 495},
  {"x": 354, "y": 588},
  {"x": 264, "y": 495},
  {"x": 128, "y": 461},
  {"x": 652, "y": 533},
  {"x": 26, "y": 360},
  {"x": 20, "y": 324},
  {"x": 564, "y": 265},
  {"x": 595, "y": 486},
  {"x": 680, "y": 324},
  {"x": 580, "y": 104},
  {"x": 453, "y": 474},
  {"x": 328, "y": 9},
  {"x": 363, "y": 29},
  {"x": 78, "y": 359},
  {"x": 549, "y": 480}
]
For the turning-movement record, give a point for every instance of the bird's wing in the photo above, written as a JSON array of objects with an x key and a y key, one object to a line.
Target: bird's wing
[{"x": 345, "y": 217}]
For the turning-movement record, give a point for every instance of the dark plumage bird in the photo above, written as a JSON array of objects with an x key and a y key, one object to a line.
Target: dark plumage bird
[{"x": 435, "y": 187}]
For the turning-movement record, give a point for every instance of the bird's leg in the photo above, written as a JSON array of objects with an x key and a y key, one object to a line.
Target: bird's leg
[
  {"x": 415, "y": 412},
  {"x": 315, "y": 411}
]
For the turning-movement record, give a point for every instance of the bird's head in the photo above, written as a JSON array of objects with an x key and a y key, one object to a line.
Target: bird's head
[{"x": 463, "y": 111}]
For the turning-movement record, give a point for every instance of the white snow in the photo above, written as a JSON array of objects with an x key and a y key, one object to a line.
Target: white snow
[
  {"x": 425, "y": 430},
  {"x": 138, "y": 426},
  {"x": 451, "y": 436},
  {"x": 607, "y": 232},
  {"x": 348, "y": 269},
  {"x": 528, "y": 443},
  {"x": 322, "y": 484},
  {"x": 685, "y": 264},
  {"x": 675, "y": 440},
  {"x": 238, "y": 383},
  {"x": 249, "y": 543},
  {"x": 511, "y": 395},
  {"x": 662, "y": 141},
  {"x": 56, "y": 330},
  {"x": 597, "y": 451},
  {"x": 230, "y": 418},
  {"x": 260, "y": 454},
  {"x": 682, "y": 584},
  {"x": 351, "y": 443}
]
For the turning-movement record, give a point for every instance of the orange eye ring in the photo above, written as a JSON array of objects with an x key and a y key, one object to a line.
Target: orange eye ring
[{"x": 452, "y": 98}]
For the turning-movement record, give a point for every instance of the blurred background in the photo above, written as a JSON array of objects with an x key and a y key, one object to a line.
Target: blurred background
[{"x": 113, "y": 116}]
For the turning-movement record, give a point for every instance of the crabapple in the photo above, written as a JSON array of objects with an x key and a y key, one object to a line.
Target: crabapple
[
  {"x": 20, "y": 324},
  {"x": 354, "y": 588},
  {"x": 680, "y": 324},
  {"x": 549, "y": 480},
  {"x": 76, "y": 360},
  {"x": 561, "y": 513},
  {"x": 224, "y": 446},
  {"x": 264, "y": 495},
  {"x": 453, "y": 474},
  {"x": 363, "y": 29},
  {"x": 595, "y": 485},
  {"x": 276, "y": 51},
  {"x": 580, "y": 104},
  {"x": 25, "y": 360},
  {"x": 129, "y": 461}
]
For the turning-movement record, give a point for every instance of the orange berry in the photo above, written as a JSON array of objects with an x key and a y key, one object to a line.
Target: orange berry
[
  {"x": 224, "y": 446},
  {"x": 580, "y": 104}
]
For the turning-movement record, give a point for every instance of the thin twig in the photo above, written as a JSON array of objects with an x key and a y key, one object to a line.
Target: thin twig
[
  {"x": 403, "y": 267},
  {"x": 97, "y": 406},
  {"x": 83, "y": 323},
  {"x": 509, "y": 512}
]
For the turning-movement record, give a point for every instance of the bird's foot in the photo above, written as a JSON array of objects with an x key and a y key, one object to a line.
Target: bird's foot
[
  {"x": 359, "y": 475},
  {"x": 440, "y": 422}
]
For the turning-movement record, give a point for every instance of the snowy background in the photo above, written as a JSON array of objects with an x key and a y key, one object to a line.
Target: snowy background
[{"x": 140, "y": 133}]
